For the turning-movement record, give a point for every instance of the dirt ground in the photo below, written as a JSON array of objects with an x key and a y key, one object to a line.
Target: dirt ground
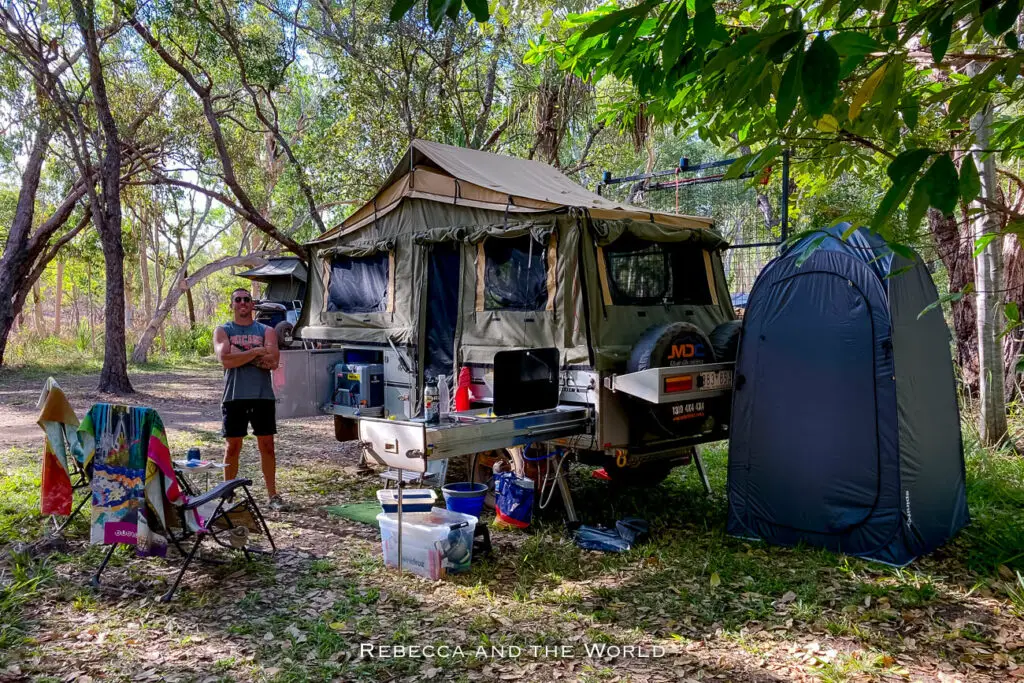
[
  {"x": 188, "y": 400},
  {"x": 691, "y": 605}
]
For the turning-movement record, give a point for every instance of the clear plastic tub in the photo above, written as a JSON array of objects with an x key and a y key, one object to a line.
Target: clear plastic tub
[{"x": 433, "y": 543}]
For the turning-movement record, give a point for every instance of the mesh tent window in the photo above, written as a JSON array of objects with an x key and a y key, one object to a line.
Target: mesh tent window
[
  {"x": 515, "y": 274},
  {"x": 359, "y": 284},
  {"x": 644, "y": 273}
]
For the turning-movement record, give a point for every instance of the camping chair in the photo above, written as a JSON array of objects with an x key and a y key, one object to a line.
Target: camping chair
[
  {"x": 220, "y": 510},
  {"x": 140, "y": 499},
  {"x": 64, "y": 473}
]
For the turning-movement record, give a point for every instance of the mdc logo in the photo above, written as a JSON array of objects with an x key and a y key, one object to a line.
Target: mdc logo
[{"x": 681, "y": 351}]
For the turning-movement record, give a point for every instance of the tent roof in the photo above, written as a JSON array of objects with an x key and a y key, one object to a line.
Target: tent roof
[
  {"x": 286, "y": 266},
  {"x": 456, "y": 175}
]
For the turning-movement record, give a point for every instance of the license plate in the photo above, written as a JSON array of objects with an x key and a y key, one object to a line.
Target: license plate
[{"x": 716, "y": 379}]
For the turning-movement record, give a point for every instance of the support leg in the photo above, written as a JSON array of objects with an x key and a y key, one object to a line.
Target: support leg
[
  {"x": 563, "y": 488},
  {"x": 103, "y": 565},
  {"x": 60, "y": 529},
  {"x": 699, "y": 462},
  {"x": 166, "y": 597}
]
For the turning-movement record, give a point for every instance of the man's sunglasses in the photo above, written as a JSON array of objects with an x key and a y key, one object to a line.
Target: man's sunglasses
[{"x": 243, "y": 300}]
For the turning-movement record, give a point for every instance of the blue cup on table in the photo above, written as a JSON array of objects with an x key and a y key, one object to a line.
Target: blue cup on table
[{"x": 193, "y": 455}]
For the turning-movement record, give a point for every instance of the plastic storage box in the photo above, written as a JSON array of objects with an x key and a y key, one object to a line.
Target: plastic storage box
[
  {"x": 433, "y": 543},
  {"x": 413, "y": 500}
]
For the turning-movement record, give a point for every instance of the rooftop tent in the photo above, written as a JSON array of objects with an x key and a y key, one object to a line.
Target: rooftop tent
[
  {"x": 845, "y": 428},
  {"x": 284, "y": 276}
]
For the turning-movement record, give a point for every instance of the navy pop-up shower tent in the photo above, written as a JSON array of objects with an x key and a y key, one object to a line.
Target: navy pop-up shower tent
[{"x": 845, "y": 425}]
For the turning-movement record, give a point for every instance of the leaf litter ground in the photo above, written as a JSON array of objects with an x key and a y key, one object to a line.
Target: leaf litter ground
[{"x": 537, "y": 609}]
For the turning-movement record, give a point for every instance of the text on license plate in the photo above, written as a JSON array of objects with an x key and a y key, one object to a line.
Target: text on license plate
[{"x": 715, "y": 379}]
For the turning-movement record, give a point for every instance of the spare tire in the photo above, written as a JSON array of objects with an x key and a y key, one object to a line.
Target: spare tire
[
  {"x": 285, "y": 334},
  {"x": 725, "y": 339},
  {"x": 671, "y": 345}
]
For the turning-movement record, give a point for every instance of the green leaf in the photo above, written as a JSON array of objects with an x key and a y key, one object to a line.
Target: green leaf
[
  {"x": 907, "y": 164},
  {"x": 820, "y": 78},
  {"x": 810, "y": 249},
  {"x": 675, "y": 36},
  {"x": 901, "y": 171},
  {"x": 946, "y": 298},
  {"x": 479, "y": 9},
  {"x": 610, "y": 21},
  {"x": 703, "y": 22},
  {"x": 943, "y": 184},
  {"x": 917, "y": 207},
  {"x": 1012, "y": 312},
  {"x": 889, "y": 30},
  {"x": 789, "y": 90},
  {"x": 939, "y": 32},
  {"x": 970, "y": 182},
  {"x": 867, "y": 90},
  {"x": 1011, "y": 41},
  {"x": 625, "y": 42},
  {"x": 984, "y": 241},
  {"x": 998, "y": 21},
  {"x": 436, "y": 11},
  {"x": 783, "y": 44},
  {"x": 400, "y": 9},
  {"x": 1015, "y": 227},
  {"x": 854, "y": 44},
  {"x": 909, "y": 110}
]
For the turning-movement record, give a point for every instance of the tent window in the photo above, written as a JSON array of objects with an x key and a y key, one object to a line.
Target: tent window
[
  {"x": 515, "y": 274},
  {"x": 359, "y": 284},
  {"x": 644, "y": 273}
]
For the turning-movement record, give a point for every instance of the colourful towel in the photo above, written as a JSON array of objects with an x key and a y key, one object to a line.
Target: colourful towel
[
  {"x": 58, "y": 421},
  {"x": 133, "y": 479}
]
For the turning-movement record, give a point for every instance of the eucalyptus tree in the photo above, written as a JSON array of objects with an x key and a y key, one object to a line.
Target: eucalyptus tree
[{"x": 903, "y": 84}]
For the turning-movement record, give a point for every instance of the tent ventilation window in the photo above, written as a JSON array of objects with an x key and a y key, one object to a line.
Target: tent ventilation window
[
  {"x": 515, "y": 274},
  {"x": 643, "y": 273},
  {"x": 359, "y": 284}
]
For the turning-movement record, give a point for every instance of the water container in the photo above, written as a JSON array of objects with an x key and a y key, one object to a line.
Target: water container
[{"x": 465, "y": 497}]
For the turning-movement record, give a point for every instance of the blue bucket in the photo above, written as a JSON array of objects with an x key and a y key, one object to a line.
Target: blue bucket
[{"x": 465, "y": 497}]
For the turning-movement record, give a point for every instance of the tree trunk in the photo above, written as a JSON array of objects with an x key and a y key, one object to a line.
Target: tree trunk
[
  {"x": 106, "y": 210},
  {"x": 147, "y": 291},
  {"x": 188, "y": 292},
  {"x": 37, "y": 299},
  {"x": 957, "y": 253},
  {"x": 180, "y": 285},
  {"x": 988, "y": 266},
  {"x": 58, "y": 299},
  {"x": 15, "y": 262}
]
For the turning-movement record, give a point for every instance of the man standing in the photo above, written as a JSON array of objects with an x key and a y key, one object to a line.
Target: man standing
[{"x": 248, "y": 351}]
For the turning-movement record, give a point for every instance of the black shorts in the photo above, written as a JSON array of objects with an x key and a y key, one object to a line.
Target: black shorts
[{"x": 238, "y": 415}]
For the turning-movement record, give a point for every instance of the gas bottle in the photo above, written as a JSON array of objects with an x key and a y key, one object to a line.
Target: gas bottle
[{"x": 431, "y": 413}]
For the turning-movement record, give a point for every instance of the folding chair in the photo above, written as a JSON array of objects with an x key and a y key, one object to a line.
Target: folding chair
[
  {"x": 140, "y": 499},
  {"x": 64, "y": 473},
  {"x": 212, "y": 515}
]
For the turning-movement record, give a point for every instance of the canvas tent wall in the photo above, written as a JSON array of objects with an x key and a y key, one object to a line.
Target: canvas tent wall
[
  {"x": 480, "y": 252},
  {"x": 846, "y": 429}
]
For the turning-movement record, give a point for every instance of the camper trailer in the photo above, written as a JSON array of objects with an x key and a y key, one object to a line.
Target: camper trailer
[{"x": 463, "y": 255}]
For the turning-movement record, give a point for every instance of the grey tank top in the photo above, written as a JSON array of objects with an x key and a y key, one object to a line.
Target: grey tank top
[{"x": 247, "y": 381}]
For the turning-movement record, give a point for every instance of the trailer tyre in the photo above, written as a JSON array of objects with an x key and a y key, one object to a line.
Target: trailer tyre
[
  {"x": 285, "y": 334},
  {"x": 725, "y": 339},
  {"x": 671, "y": 345}
]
